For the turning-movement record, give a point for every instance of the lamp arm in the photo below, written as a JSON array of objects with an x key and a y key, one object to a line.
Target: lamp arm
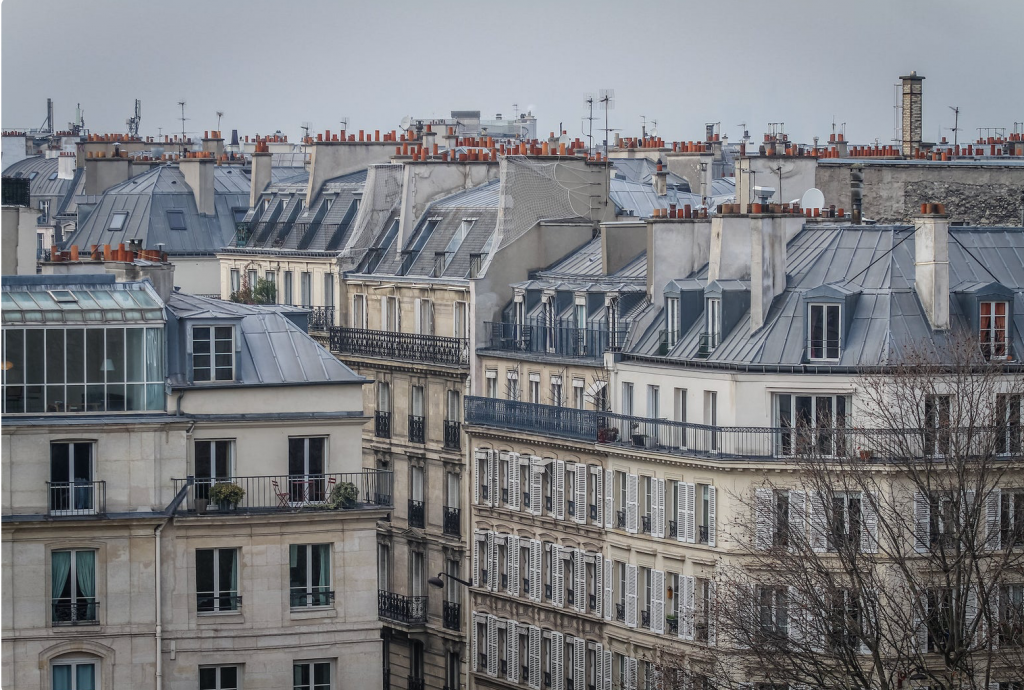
[{"x": 457, "y": 579}]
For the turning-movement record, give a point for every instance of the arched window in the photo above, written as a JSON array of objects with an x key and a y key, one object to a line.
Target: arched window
[{"x": 75, "y": 672}]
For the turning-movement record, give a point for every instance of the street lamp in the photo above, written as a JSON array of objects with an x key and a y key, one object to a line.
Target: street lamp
[{"x": 437, "y": 582}]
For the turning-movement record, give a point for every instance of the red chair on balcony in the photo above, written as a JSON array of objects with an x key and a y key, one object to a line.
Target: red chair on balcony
[{"x": 284, "y": 499}]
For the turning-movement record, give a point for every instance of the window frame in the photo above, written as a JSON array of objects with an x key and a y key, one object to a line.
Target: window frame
[
  {"x": 213, "y": 339},
  {"x": 218, "y": 595},
  {"x": 309, "y": 592},
  {"x": 312, "y": 664},
  {"x": 830, "y": 351},
  {"x": 219, "y": 683},
  {"x": 74, "y": 662},
  {"x": 992, "y": 347},
  {"x": 75, "y": 599},
  {"x": 118, "y": 221},
  {"x": 180, "y": 213}
]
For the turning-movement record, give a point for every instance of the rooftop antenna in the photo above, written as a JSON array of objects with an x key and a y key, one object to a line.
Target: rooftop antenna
[
  {"x": 220, "y": 114},
  {"x": 654, "y": 128},
  {"x": 956, "y": 123},
  {"x": 133, "y": 121},
  {"x": 606, "y": 97},
  {"x": 590, "y": 120},
  {"x": 48, "y": 123},
  {"x": 344, "y": 123},
  {"x": 746, "y": 132},
  {"x": 181, "y": 146},
  {"x": 643, "y": 127}
]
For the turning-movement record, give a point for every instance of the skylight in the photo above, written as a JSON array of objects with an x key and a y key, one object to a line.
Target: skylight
[
  {"x": 176, "y": 220},
  {"x": 118, "y": 221},
  {"x": 53, "y": 176}
]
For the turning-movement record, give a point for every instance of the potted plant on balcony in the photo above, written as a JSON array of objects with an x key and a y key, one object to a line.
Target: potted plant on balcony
[
  {"x": 344, "y": 495},
  {"x": 608, "y": 434},
  {"x": 226, "y": 495}
]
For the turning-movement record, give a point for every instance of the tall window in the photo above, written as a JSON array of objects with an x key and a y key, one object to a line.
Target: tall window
[
  {"x": 306, "y": 461},
  {"x": 627, "y": 399},
  {"x": 383, "y": 567},
  {"x": 328, "y": 290},
  {"x": 994, "y": 329},
  {"x": 713, "y": 324},
  {"x": 306, "y": 288},
  {"x": 492, "y": 383},
  {"x": 824, "y": 331},
  {"x": 671, "y": 321},
  {"x": 251, "y": 276},
  {"x": 271, "y": 277},
  {"x": 72, "y": 490},
  {"x": 359, "y": 311},
  {"x": 390, "y": 316},
  {"x": 236, "y": 280},
  {"x": 556, "y": 391},
  {"x": 73, "y": 587},
  {"x": 217, "y": 580},
  {"x": 425, "y": 317},
  {"x": 218, "y": 678},
  {"x": 461, "y": 320},
  {"x": 811, "y": 424},
  {"x": 653, "y": 402},
  {"x": 289, "y": 288},
  {"x": 513, "y": 384},
  {"x": 845, "y": 521},
  {"x": 535, "y": 387},
  {"x": 309, "y": 575},
  {"x": 454, "y": 409},
  {"x": 213, "y": 353},
  {"x": 311, "y": 675},
  {"x": 213, "y": 464},
  {"x": 773, "y": 611},
  {"x": 937, "y": 419},
  {"x": 1008, "y": 423},
  {"x": 579, "y": 394},
  {"x": 74, "y": 674}
]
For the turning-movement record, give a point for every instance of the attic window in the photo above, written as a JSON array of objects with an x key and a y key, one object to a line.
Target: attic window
[
  {"x": 32, "y": 175},
  {"x": 712, "y": 334},
  {"x": 118, "y": 221},
  {"x": 239, "y": 214},
  {"x": 53, "y": 176},
  {"x": 824, "y": 332},
  {"x": 176, "y": 220},
  {"x": 993, "y": 329},
  {"x": 63, "y": 296}
]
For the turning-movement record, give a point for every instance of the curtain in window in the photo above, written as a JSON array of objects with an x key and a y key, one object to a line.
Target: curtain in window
[
  {"x": 297, "y": 575},
  {"x": 234, "y": 572},
  {"x": 62, "y": 677},
  {"x": 85, "y": 677},
  {"x": 325, "y": 573},
  {"x": 154, "y": 369},
  {"x": 60, "y": 569},
  {"x": 85, "y": 568}
]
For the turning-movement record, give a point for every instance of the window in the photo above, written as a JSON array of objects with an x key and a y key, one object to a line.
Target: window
[
  {"x": 939, "y": 618},
  {"x": 994, "y": 324},
  {"x": 535, "y": 388},
  {"x": 456, "y": 241},
  {"x": 213, "y": 464},
  {"x": 512, "y": 392},
  {"x": 32, "y": 175},
  {"x": 390, "y": 316},
  {"x": 556, "y": 391},
  {"x": 713, "y": 325},
  {"x": 309, "y": 575},
  {"x": 1011, "y": 615},
  {"x": 492, "y": 383},
  {"x": 176, "y": 220},
  {"x": 359, "y": 311},
  {"x": 53, "y": 176},
  {"x": 671, "y": 321},
  {"x": 936, "y": 421},
  {"x": 578, "y": 393},
  {"x": 845, "y": 521},
  {"x": 73, "y": 587},
  {"x": 236, "y": 280},
  {"x": 653, "y": 402},
  {"x": 306, "y": 461},
  {"x": 306, "y": 288},
  {"x": 238, "y": 214},
  {"x": 772, "y": 611},
  {"x": 72, "y": 490},
  {"x": 117, "y": 221},
  {"x": 328, "y": 289},
  {"x": 780, "y": 535},
  {"x": 271, "y": 277},
  {"x": 454, "y": 409},
  {"x": 679, "y": 413},
  {"x": 844, "y": 620},
  {"x": 217, "y": 580},
  {"x": 289, "y": 288},
  {"x": 1011, "y": 518},
  {"x": 461, "y": 320},
  {"x": 627, "y": 399},
  {"x": 811, "y": 424},
  {"x": 824, "y": 331},
  {"x": 383, "y": 567},
  {"x": 218, "y": 678},
  {"x": 311, "y": 675},
  {"x": 213, "y": 353},
  {"x": 74, "y": 675},
  {"x": 251, "y": 277},
  {"x": 424, "y": 317},
  {"x": 1008, "y": 424},
  {"x": 44, "y": 210}
]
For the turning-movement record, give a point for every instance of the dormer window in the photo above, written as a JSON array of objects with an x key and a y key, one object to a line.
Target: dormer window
[
  {"x": 671, "y": 321},
  {"x": 824, "y": 332},
  {"x": 213, "y": 353},
  {"x": 993, "y": 323},
  {"x": 712, "y": 335}
]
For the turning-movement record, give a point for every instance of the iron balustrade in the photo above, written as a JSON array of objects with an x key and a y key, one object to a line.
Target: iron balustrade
[
  {"x": 321, "y": 318},
  {"x": 305, "y": 597},
  {"x": 416, "y": 683},
  {"x": 547, "y": 591},
  {"x": 672, "y": 625},
  {"x": 561, "y": 338},
  {"x": 620, "y": 519},
  {"x": 570, "y": 508},
  {"x": 382, "y": 424},
  {"x": 672, "y": 529},
  {"x": 645, "y": 619},
  {"x": 81, "y": 611},
  {"x": 532, "y": 417},
  {"x": 292, "y": 492},
  {"x": 570, "y": 597},
  {"x": 645, "y": 524},
  {"x": 504, "y": 580},
  {"x": 401, "y": 608},
  {"x": 620, "y": 612},
  {"x": 593, "y": 512},
  {"x": 416, "y": 514},
  {"x": 416, "y": 429},
  {"x": 706, "y": 343},
  {"x": 702, "y": 534},
  {"x": 406, "y": 347},
  {"x": 209, "y": 602},
  {"x": 451, "y": 615},
  {"x": 452, "y": 522},
  {"x": 592, "y": 601},
  {"x": 76, "y": 498},
  {"x": 452, "y": 435}
]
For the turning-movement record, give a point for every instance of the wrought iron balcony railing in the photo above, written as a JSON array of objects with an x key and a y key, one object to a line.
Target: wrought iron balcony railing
[
  {"x": 401, "y": 608},
  {"x": 406, "y": 347},
  {"x": 308, "y": 597},
  {"x": 452, "y": 435},
  {"x": 382, "y": 424},
  {"x": 672, "y": 625},
  {"x": 706, "y": 343},
  {"x": 81, "y": 611},
  {"x": 321, "y": 318},
  {"x": 76, "y": 498},
  {"x": 451, "y": 615},
  {"x": 209, "y": 602},
  {"x": 620, "y": 519},
  {"x": 416, "y": 429},
  {"x": 452, "y": 522},
  {"x": 645, "y": 619},
  {"x": 531, "y": 417},
  {"x": 416, "y": 514},
  {"x": 645, "y": 524},
  {"x": 559, "y": 339},
  {"x": 373, "y": 490},
  {"x": 702, "y": 534},
  {"x": 672, "y": 529},
  {"x": 620, "y": 612},
  {"x": 416, "y": 683}
]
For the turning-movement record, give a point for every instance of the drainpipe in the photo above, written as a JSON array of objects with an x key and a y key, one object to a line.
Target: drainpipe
[{"x": 159, "y": 628}]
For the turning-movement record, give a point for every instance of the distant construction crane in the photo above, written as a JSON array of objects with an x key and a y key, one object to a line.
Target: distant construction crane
[{"x": 133, "y": 121}]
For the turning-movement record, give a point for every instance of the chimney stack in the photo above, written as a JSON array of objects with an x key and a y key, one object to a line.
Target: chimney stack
[
  {"x": 66, "y": 165},
  {"x": 931, "y": 264},
  {"x": 260, "y": 175},
  {"x": 660, "y": 181},
  {"x": 198, "y": 174},
  {"x": 912, "y": 89}
]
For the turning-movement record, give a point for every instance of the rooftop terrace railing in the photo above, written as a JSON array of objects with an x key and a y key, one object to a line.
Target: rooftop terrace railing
[
  {"x": 408, "y": 347},
  {"x": 559, "y": 340}
]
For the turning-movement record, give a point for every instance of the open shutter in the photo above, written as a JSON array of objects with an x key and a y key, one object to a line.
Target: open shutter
[
  {"x": 631, "y": 574},
  {"x": 658, "y": 508},
  {"x": 559, "y": 480},
  {"x": 763, "y": 519},
  {"x": 599, "y": 585},
  {"x": 608, "y": 608},
  {"x": 581, "y": 493},
  {"x": 513, "y": 481},
  {"x": 534, "y": 657},
  {"x": 712, "y": 516},
  {"x": 492, "y": 478},
  {"x": 557, "y": 576},
  {"x": 631, "y": 673},
  {"x": 632, "y": 502},
  {"x": 492, "y": 646},
  {"x": 480, "y": 454},
  {"x": 599, "y": 496},
  {"x": 476, "y": 643},
  {"x": 972, "y": 625},
  {"x": 712, "y": 615},
  {"x": 992, "y": 531},
  {"x": 598, "y": 683},
  {"x": 419, "y": 323},
  {"x": 536, "y": 585},
  {"x": 795, "y": 615},
  {"x": 476, "y": 559},
  {"x": 922, "y": 522},
  {"x": 579, "y": 660},
  {"x": 681, "y": 511},
  {"x": 512, "y": 651},
  {"x": 580, "y": 577},
  {"x": 607, "y": 680},
  {"x": 489, "y": 550},
  {"x": 797, "y": 518},
  {"x": 384, "y": 314},
  {"x": 658, "y": 601},
  {"x": 557, "y": 669},
  {"x": 818, "y": 520},
  {"x": 920, "y": 629},
  {"x": 609, "y": 499},
  {"x": 687, "y": 613},
  {"x": 536, "y": 485},
  {"x": 512, "y": 564},
  {"x": 691, "y": 513},
  {"x": 869, "y": 534}
]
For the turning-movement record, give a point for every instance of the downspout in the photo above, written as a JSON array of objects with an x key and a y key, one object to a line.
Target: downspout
[{"x": 159, "y": 628}]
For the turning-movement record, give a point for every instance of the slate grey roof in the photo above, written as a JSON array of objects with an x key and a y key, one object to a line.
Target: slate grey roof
[
  {"x": 271, "y": 349},
  {"x": 582, "y": 271},
  {"x": 642, "y": 170},
  {"x": 638, "y": 199},
  {"x": 57, "y": 191}
]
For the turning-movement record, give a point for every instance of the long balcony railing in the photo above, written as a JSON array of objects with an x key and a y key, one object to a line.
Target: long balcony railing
[
  {"x": 373, "y": 490},
  {"x": 401, "y": 608},
  {"x": 451, "y": 615},
  {"x": 321, "y": 318},
  {"x": 76, "y": 498},
  {"x": 416, "y": 517},
  {"x": 560, "y": 339},
  {"x": 416, "y": 429},
  {"x": 406, "y": 347},
  {"x": 702, "y": 440},
  {"x": 452, "y": 522},
  {"x": 452, "y": 435}
]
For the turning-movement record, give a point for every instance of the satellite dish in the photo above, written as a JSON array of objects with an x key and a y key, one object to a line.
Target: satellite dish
[
  {"x": 564, "y": 139},
  {"x": 812, "y": 198},
  {"x": 406, "y": 123}
]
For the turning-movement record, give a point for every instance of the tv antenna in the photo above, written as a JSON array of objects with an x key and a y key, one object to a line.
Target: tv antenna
[
  {"x": 181, "y": 146},
  {"x": 643, "y": 127},
  {"x": 133, "y": 121},
  {"x": 220, "y": 114},
  {"x": 590, "y": 121},
  {"x": 305, "y": 127},
  {"x": 606, "y": 97},
  {"x": 956, "y": 123},
  {"x": 344, "y": 123}
]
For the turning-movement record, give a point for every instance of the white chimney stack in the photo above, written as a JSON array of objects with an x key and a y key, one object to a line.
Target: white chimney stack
[
  {"x": 66, "y": 165},
  {"x": 931, "y": 263}
]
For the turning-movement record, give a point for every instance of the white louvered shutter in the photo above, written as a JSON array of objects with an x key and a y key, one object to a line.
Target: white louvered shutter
[
  {"x": 580, "y": 577},
  {"x": 534, "y": 657},
  {"x": 598, "y": 666},
  {"x": 418, "y": 322},
  {"x": 657, "y": 507},
  {"x": 691, "y": 513},
  {"x": 512, "y": 651},
  {"x": 492, "y": 646},
  {"x": 712, "y": 516},
  {"x": 609, "y": 499},
  {"x": 631, "y": 577},
  {"x": 992, "y": 531},
  {"x": 489, "y": 549},
  {"x": 559, "y": 486},
  {"x": 557, "y": 670},
  {"x": 599, "y": 496},
  {"x": 492, "y": 479},
  {"x": 631, "y": 673},
  {"x": 681, "y": 511},
  {"x": 476, "y": 559},
  {"x": 384, "y": 313},
  {"x": 557, "y": 576},
  {"x": 536, "y": 585},
  {"x": 712, "y": 614},
  {"x": 688, "y": 609},
  {"x": 818, "y": 521},
  {"x": 658, "y": 601},
  {"x": 581, "y": 494},
  {"x": 796, "y": 615},
  {"x": 869, "y": 533},
  {"x": 971, "y": 616},
  {"x": 513, "y": 481},
  {"x": 920, "y": 629},
  {"x": 512, "y": 564},
  {"x": 495, "y": 565},
  {"x": 479, "y": 455},
  {"x": 536, "y": 485},
  {"x": 922, "y": 523},
  {"x": 607, "y": 680},
  {"x": 763, "y": 519},
  {"x": 579, "y": 661},
  {"x": 476, "y": 643},
  {"x": 632, "y": 502},
  {"x": 608, "y": 608},
  {"x": 797, "y": 518},
  {"x": 599, "y": 585}
]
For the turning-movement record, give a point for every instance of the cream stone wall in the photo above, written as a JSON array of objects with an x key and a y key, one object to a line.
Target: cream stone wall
[{"x": 279, "y": 264}]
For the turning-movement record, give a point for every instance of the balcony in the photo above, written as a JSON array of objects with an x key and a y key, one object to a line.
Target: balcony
[
  {"x": 672, "y": 625},
  {"x": 416, "y": 429},
  {"x": 76, "y": 498},
  {"x": 702, "y": 534},
  {"x": 452, "y": 522},
  {"x": 452, "y": 435},
  {"x": 416, "y": 514},
  {"x": 292, "y": 493},
  {"x": 570, "y": 597},
  {"x": 532, "y": 418},
  {"x": 563, "y": 339},
  {"x": 82, "y": 611},
  {"x": 209, "y": 602},
  {"x": 401, "y": 608},
  {"x": 404, "y": 347},
  {"x": 451, "y": 615},
  {"x": 645, "y": 524},
  {"x": 382, "y": 424},
  {"x": 593, "y": 512},
  {"x": 320, "y": 318},
  {"x": 645, "y": 619},
  {"x": 592, "y": 601},
  {"x": 620, "y": 613}
]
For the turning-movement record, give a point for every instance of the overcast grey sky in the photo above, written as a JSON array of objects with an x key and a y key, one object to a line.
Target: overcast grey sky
[{"x": 273, "y": 65}]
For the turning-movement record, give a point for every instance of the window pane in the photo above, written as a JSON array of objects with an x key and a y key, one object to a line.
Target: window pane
[
  {"x": 203, "y": 459},
  {"x": 207, "y": 679},
  {"x": 60, "y": 465},
  {"x": 154, "y": 354},
  {"x": 135, "y": 352},
  {"x": 223, "y": 459},
  {"x": 94, "y": 355},
  {"x": 316, "y": 455},
  {"x": 54, "y": 356},
  {"x": 322, "y": 674},
  {"x": 34, "y": 368},
  {"x": 229, "y": 678},
  {"x": 114, "y": 363},
  {"x": 204, "y": 571},
  {"x": 75, "y": 353},
  {"x": 296, "y": 456},
  {"x": 62, "y": 677},
  {"x": 15, "y": 354},
  {"x": 300, "y": 676},
  {"x": 297, "y": 567}
]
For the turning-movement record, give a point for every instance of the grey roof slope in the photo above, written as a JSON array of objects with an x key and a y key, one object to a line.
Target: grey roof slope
[
  {"x": 272, "y": 349},
  {"x": 582, "y": 271},
  {"x": 641, "y": 170},
  {"x": 57, "y": 191},
  {"x": 639, "y": 199}
]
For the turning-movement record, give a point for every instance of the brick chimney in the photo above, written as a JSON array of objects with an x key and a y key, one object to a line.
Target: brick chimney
[
  {"x": 198, "y": 174},
  {"x": 931, "y": 264},
  {"x": 912, "y": 90},
  {"x": 214, "y": 143}
]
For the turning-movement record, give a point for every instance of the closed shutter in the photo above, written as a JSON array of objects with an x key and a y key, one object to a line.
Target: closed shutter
[
  {"x": 492, "y": 478},
  {"x": 492, "y": 646},
  {"x": 418, "y": 321},
  {"x": 992, "y": 531},
  {"x": 607, "y": 671},
  {"x": 598, "y": 585},
  {"x": 557, "y": 670},
  {"x": 971, "y": 622},
  {"x": 818, "y": 521},
  {"x": 658, "y": 601},
  {"x": 712, "y": 516},
  {"x": 581, "y": 494},
  {"x": 557, "y": 576},
  {"x": 536, "y": 485},
  {"x": 579, "y": 661},
  {"x": 608, "y": 608},
  {"x": 763, "y": 519},
  {"x": 475, "y": 643},
  {"x": 922, "y": 522},
  {"x": 512, "y": 652},
  {"x": 632, "y": 502},
  {"x": 534, "y": 657},
  {"x": 599, "y": 496},
  {"x": 797, "y": 519},
  {"x": 690, "y": 514},
  {"x": 536, "y": 585},
  {"x": 512, "y": 566},
  {"x": 476, "y": 559},
  {"x": 481, "y": 454},
  {"x": 712, "y": 614},
  {"x": 658, "y": 507},
  {"x": 631, "y": 595},
  {"x": 796, "y": 615},
  {"x": 920, "y": 629},
  {"x": 513, "y": 481},
  {"x": 609, "y": 499},
  {"x": 580, "y": 576},
  {"x": 686, "y": 625},
  {"x": 384, "y": 314},
  {"x": 559, "y": 486},
  {"x": 869, "y": 534},
  {"x": 494, "y": 567}
]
